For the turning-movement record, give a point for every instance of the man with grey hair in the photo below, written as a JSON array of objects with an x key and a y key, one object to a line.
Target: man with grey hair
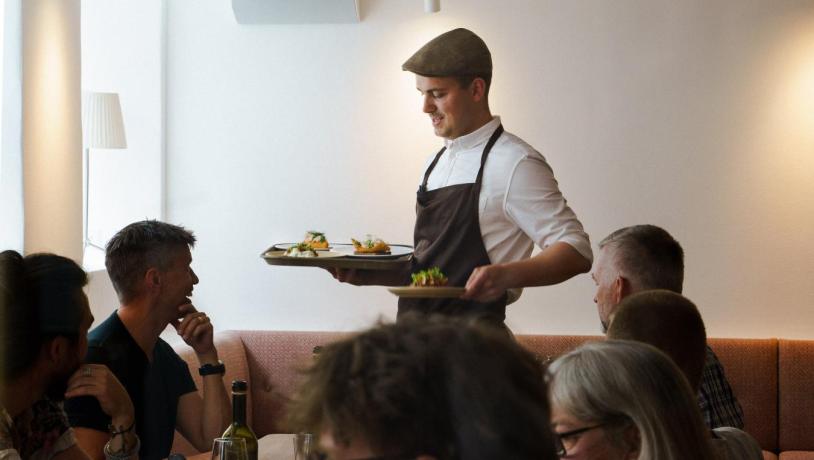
[
  {"x": 644, "y": 257},
  {"x": 149, "y": 265}
]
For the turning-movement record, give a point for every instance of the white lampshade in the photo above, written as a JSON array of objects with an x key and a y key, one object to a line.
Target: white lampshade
[
  {"x": 102, "y": 125},
  {"x": 432, "y": 6}
]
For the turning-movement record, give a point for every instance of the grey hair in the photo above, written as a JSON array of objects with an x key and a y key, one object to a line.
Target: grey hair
[
  {"x": 648, "y": 256},
  {"x": 608, "y": 381}
]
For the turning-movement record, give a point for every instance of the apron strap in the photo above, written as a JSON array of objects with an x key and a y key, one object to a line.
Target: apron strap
[
  {"x": 486, "y": 151},
  {"x": 423, "y": 187}
]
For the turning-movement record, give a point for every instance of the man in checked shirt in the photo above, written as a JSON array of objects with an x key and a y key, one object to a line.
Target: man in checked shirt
[{"x": 644, "y": 257}]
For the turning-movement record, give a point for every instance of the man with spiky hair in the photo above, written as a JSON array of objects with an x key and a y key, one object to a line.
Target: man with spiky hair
[{"x": 149, "y": 265}]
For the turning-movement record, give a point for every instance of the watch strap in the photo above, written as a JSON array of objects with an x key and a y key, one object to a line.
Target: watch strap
[{"x": 211, "y": 369}]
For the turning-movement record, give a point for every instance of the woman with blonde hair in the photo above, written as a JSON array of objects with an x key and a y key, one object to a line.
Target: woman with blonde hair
[{"x": 620, "y": 399}]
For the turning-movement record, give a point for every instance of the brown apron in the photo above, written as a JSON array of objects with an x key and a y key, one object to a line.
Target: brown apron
[{"x": 448, "y": 236}]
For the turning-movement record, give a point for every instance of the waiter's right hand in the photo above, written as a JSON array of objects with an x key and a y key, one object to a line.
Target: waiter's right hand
[
  {"x": 359, "y": 277},
  {"x": 345, "y": 275}
]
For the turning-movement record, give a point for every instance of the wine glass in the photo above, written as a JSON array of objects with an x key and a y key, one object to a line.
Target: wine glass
[
  {"x": 303, "y": 446},
  {"x": 229, "y": 449}
]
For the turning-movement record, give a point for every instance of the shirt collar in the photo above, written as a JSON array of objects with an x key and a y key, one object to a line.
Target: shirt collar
[{"x": 475, "y": 138}]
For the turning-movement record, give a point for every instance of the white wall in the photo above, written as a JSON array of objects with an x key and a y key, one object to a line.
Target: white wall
[
  {"x": 694, "y": 115},
  {"x": 122, "y": 53}
]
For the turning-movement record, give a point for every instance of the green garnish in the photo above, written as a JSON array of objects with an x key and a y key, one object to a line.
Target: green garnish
[{"x": 430, "y": 277}]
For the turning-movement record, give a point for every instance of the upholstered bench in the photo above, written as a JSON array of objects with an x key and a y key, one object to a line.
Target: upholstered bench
[{"x": 773, "y": 380}]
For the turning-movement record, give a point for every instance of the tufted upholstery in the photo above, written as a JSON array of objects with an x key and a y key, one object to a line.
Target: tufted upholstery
[
  {"x": 796, "y": 358},
  {"x": 773, "y": 380},
  {"x": 751, "y": 368}
]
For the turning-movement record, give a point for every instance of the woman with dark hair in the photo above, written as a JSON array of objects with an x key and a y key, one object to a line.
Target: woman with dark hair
[
  {"x": 620, "y": 399},
  {"x": 43, "y": 338},
  {"x": 429, "y": 389}
]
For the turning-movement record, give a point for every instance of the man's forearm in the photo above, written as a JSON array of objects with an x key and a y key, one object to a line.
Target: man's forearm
[
  {"x": 216, "y": 410},
  {"x": 553, "y": 265}
]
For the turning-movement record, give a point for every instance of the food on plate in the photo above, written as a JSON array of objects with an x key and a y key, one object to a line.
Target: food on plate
[
  {"x": 429, "y": 278},
  {"x": 301, "y": 250},
  {"x": 370, "y": 245},
  {"x": 316, "y": 239}
]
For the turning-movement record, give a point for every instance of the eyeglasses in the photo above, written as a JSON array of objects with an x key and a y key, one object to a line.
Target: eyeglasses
[{"x": 559, "y": 445}]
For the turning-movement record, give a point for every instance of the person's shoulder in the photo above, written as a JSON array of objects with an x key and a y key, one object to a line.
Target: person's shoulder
[
  {"x": 511, "y": 147},
  {"x": 109, "y": 329},
  {"x": 737, "y": 443}
]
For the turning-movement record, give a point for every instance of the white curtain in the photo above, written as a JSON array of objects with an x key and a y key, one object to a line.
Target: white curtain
[{"x": 11, "y": 151}]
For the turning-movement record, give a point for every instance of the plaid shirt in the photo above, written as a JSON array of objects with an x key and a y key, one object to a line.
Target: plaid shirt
[{"x": 718, "y": 403}]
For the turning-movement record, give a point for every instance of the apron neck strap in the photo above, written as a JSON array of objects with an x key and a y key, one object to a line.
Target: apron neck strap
[
  {"x": 431, "y": 167},
  {"x": 488, "y": 149},
  {"x": 485, "y": 154}
]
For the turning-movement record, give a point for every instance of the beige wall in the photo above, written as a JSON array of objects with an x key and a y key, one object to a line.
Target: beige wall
[
  {"x": 694, "y": 115},
  {"x": 52, "y": 133}
]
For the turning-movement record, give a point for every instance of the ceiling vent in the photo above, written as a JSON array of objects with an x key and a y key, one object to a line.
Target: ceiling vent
[{"x": 296, "y": 11}]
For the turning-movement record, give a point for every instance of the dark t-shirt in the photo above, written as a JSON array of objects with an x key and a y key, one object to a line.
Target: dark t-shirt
[{"x": 153, "y": 387}]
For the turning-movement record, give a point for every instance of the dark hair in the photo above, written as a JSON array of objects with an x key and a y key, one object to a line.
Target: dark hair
[
  {"x": 432, "y": 386},
  {"x": 465, "y": 80},
  {"x": 648, "y": 256},
  {"x": 669, "y": 322},
  {"x": 40, "y": 298},
  {"x": 137, "y": 248}
]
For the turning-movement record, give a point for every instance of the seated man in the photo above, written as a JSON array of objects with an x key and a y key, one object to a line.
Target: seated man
[
  {"x": 644, "y": 257},
  {"x": 671, "y": 323},
  {"x": 428, "y": 389},
  {"x": 43, "y": 337},
  {"x": 149, "y": 265}
]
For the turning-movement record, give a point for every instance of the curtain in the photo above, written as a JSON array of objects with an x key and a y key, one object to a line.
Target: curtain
[{"x": 11, "y": 151}]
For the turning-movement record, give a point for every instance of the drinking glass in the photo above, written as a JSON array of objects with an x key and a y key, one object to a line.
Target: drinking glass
[
  {"x": 303, "y": 446},
  {"x": 229, "y": 449}
]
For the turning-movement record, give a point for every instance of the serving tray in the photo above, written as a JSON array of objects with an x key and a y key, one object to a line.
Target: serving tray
[{"x": 273, "y": 256}]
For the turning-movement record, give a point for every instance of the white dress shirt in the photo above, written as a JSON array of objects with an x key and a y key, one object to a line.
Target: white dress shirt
[{"x": 520, "y": 203}]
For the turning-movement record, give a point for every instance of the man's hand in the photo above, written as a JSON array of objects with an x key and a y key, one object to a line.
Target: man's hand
[
  {"x": 346, "y": 275},
  {"x": 96, "y": 380},
  {"x": 486, "y": 283},
  {"x": 368, "y": 277},
  {"x": 196, "y": 330}
]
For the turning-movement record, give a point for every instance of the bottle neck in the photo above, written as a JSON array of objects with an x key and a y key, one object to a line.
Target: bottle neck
[{"x": 239, "y": 408}]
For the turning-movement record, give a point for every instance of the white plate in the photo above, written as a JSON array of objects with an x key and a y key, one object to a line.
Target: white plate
[
  {"x": 427, "y": 291},
  {"x": 284, "y": 246},
  {"x": 396, "y": 251},
  {"x": 320, "y": 255}
]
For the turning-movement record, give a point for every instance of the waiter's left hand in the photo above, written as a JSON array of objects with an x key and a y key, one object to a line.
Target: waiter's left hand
[{"x": 486, "y": 283}]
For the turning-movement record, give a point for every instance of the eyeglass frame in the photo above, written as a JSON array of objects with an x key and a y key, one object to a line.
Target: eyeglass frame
[{"x": 559, "y": 447}]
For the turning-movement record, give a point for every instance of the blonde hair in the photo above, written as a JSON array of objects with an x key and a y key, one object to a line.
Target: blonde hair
[{"x": 620, "y": 380}]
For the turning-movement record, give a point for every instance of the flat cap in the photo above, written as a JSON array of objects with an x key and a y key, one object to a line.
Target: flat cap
[{"x": 456, "y": 53}]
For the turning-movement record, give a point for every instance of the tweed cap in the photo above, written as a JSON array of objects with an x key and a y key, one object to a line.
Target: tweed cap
[{"x": 456, "y": 53}]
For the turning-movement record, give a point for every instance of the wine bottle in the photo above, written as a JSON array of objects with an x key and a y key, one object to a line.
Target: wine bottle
[{"x": 239, "y": 428}]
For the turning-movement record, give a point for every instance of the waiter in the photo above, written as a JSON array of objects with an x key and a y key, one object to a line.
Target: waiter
[{"x": 485, "y": 199}]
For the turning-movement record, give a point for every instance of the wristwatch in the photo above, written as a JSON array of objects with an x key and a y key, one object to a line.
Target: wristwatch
[{"x": 210, "y": 369}]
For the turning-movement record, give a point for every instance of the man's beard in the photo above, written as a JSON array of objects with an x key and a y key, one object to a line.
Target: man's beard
[{"x": 55, "y": 391}]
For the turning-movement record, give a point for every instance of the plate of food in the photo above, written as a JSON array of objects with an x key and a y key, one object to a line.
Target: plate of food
[
  {"x": 303, "y": 250},
  {"x": 315, "y": 239},
  {"x": 372, "y": 247},
  {"x": 431, "y": 283}
]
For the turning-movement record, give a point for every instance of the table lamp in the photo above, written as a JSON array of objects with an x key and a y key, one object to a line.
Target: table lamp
[{"x": 102, "y": 128}]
